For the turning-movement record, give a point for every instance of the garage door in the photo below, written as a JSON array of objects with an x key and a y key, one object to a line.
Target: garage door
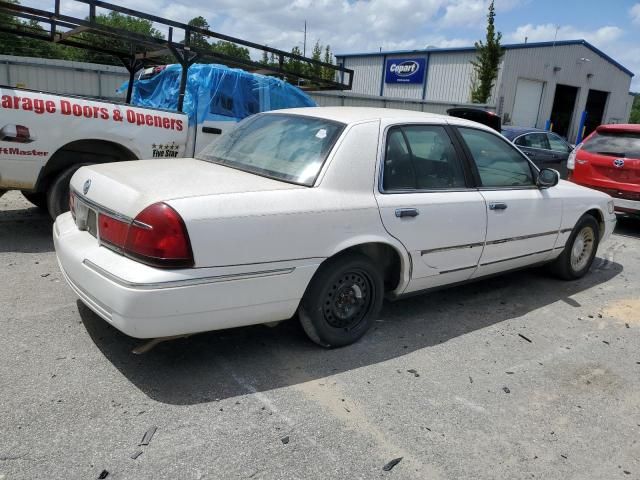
[{"x": 527, "y": 104}]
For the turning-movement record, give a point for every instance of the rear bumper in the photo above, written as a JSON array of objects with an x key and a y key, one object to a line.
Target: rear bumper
[
  {"x": 159, "y": 303},
  {"x": 623, "y": 205},
  {"x": 623, "y": 200}
]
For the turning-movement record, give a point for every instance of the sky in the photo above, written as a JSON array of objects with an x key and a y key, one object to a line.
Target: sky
[{"x": 368, "y": 25}]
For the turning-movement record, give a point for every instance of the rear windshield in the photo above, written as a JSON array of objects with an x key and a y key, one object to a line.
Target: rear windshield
[
  {"x": 291, "y": 148},
  {"x": 615, "y": 144}
]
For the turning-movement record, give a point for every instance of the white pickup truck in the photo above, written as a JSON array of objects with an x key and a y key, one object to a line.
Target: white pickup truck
[{"x": 45, "y": 138}]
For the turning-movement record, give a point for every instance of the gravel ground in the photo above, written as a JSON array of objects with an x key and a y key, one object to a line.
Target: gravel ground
[{"x": 520, "y": 376}]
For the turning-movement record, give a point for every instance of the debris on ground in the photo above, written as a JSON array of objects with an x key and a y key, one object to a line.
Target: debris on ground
[
  {"x": 392, "y": 464},
  {"x": 45, "y": 275},
  {"x": 506, "y": 390},
  {"x": 604, "y": 341},
  {"x": 525, "y": 338},
  {"x": 414, "y": 372},
  {"x": 103, "y": 474},
  {"x": 470, "y": 379},
  {"x": 285, "y": 439},
  {"x": 148, "y": 435},
  {"x": 136, "y": 454}
]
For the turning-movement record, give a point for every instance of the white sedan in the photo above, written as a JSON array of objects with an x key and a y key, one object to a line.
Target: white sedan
[{"x": 319, "y": 212}]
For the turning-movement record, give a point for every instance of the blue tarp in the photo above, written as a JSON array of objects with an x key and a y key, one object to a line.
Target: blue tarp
[{"x": 216, "y": 92}]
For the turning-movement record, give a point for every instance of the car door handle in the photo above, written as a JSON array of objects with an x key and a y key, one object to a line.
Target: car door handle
[
  {"x": 214, "y": 130},
  {"x": 497, "y": 206},
  {"x": 407, "y": 212}
]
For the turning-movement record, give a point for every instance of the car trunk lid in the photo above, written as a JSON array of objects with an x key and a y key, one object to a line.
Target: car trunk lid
[{"x": 126, "y": 188}]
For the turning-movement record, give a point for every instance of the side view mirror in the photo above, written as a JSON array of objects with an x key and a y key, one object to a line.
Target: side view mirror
[{"x": 548, "y": 177}]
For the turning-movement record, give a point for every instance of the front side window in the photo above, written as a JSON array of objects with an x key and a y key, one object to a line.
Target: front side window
[
  {"x": 291, "y": 148},
  {"x": 421, "y": 157},
  {"x": 557, "y": 144},
  {"x": 499, "y": 164}
]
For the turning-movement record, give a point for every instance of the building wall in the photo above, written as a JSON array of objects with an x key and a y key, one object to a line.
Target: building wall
[
  {"x": 366, "y": 79},
  {"x": 450, "y": 77},
  {"x": 63, "y": 77},
  {"x": 539, "y": 63}
]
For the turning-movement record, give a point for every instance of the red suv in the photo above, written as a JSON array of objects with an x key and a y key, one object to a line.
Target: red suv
[{"x": 609, "y": 160}]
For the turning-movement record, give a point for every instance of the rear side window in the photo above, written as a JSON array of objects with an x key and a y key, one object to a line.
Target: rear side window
[
  {"x": 534, "y": 140},
  {"x": 499, "y": 164},
  {"x": 557, "y": 144},
  {"x": 421, "y": 157},
  {"x": 615, "y": 144}
]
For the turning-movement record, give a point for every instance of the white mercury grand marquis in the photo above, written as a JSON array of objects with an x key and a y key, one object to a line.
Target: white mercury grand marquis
[{"x": 316, "y": 211}]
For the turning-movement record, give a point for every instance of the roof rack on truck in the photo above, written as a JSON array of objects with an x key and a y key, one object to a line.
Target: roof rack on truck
[{"x": 136, "y": 50}]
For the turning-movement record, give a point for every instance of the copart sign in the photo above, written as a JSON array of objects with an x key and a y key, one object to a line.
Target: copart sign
[{"x": 405, "y": 70}]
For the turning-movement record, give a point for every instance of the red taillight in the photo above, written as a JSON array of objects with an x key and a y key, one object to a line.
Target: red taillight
[
  {"x": 112, "y": 230},
  {"x": 159, "y": 237}
]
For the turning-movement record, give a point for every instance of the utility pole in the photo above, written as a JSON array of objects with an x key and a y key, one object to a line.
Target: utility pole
[{"x": 304, "y": 44}]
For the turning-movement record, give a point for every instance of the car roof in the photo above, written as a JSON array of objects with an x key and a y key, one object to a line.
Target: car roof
[
  {"x": 359, "y": 114},
  {"x": 513, "y": 132},
  {"x": 619, "y": 127}
]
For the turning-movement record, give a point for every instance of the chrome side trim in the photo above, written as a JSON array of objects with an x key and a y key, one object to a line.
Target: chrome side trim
[
  {"x": 101, "y": 209},
  {"x": 522, "y": 237},
  {"x": 444, "y": 249},
  {"x": 516, "y": 258},
  {"x": 187, "y": 282},
  {"x": 457, "y": 269}
]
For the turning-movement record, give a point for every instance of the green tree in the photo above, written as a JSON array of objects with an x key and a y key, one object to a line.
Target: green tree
[
  {"x": 293, "y": 64},
  {"x": 265, "y": 58},
  {"x": 487, "y": 61},
  {"x": 231, "y": 50},
  {"x": 328, "y": 73},
  {"x": 635, "y": 110},
  {"x": 199, "y": 40},
  {"x": 316, "y": 54},
  {"x": 115, "y": 20}
]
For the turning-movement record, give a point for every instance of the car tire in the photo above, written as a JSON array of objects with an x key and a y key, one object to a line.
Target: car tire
[
  {"x": 341, "y": 301},
  {"x": 579, "y": 251},
  {"x": 39, "y": 199},
  {"x": 58, "y": 192}
]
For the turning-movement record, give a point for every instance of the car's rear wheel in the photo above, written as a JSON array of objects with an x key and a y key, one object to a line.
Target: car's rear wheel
[
  {"x": 580, "y": 250},
  {"x": 39, "y": 199},
  {"x": 58, "y": 192},
  {"x": 341, "y": 300}
]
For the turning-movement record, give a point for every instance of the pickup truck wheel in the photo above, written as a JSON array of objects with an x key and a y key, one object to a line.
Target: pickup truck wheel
[
  {"x": 39, "y": 199},
  {"x": 580, "y": 250},
  {"x": 341, "y": 301},
  {"x": 58, "y": 193}
]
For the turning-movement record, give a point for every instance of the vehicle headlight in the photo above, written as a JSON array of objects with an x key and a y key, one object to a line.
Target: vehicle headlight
[{"x": 610, "y": 206}]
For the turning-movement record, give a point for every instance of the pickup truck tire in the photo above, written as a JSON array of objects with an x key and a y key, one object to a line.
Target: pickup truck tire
[
  {"x": 58, "y": 192},
  {"x": 39, "y": 199},
  {"x": 341, "y": 301},
  {"x": 579, "y": 251}
]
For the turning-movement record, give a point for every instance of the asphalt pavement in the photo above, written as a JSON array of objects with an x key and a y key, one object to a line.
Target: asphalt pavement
[{"x": 519, "y": 376}]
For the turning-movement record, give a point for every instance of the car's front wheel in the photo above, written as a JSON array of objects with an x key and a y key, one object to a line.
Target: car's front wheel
[
  {"x": 579, "y": 251},
  {"x": 341, "y": 300}
]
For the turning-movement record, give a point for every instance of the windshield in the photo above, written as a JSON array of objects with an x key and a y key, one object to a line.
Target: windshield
[
  {"x": 615, "y": 144},
  {"x": 291, "y": 148}
]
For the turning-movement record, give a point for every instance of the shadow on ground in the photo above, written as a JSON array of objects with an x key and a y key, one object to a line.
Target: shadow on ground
[
  {"x": 25, "y": 230},
  {"x": 229, "y": 363},
  {"x": 628, "y": 227}
]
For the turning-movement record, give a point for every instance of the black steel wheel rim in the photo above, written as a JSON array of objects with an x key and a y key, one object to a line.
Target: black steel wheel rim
[{"x": 348, "y": 300}]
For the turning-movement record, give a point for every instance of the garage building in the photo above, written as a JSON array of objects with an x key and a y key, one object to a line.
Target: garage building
[{"x": 568, "y": 86}]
